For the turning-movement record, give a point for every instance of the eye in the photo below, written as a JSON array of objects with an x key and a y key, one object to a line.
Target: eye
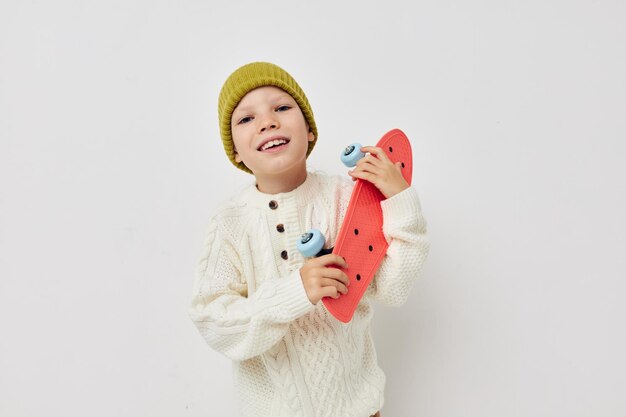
[
  {"x": 244, "y": 120},
  {"x": 284, "y": 107}
]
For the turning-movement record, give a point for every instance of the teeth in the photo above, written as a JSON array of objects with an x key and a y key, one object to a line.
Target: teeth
[{"x": 272, "y": 143}]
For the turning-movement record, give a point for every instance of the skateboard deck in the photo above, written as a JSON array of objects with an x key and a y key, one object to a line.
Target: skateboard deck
[{"x": 361, "y": 240}]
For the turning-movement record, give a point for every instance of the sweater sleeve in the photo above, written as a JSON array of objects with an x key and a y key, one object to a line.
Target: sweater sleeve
[
  {"x": 404, "y": 228},
  {"x": 238, "y": 326}
]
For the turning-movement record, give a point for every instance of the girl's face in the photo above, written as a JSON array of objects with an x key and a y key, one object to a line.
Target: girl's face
[{"x": 264, "y": 113}]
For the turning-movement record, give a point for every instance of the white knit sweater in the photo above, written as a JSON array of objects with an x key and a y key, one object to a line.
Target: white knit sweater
[{"x": 292, "y": 358}]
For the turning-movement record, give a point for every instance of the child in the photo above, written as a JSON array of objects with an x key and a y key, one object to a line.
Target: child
[{"x": 256, "y": 299}]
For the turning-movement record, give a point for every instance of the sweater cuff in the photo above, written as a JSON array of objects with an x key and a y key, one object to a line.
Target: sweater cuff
[
  {"x": 401, "y": 208},
  {"x": 289, "y": 295}
]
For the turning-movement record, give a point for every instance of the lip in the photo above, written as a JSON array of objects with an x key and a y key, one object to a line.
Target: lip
[{"x": 271, "y": 138}]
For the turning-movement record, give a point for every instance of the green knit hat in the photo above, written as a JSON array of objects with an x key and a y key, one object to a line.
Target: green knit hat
[{"x": 246, "y": 79}]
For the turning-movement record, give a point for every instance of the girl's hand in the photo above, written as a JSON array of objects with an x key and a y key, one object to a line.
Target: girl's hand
[{"x": 378, "y": 169}]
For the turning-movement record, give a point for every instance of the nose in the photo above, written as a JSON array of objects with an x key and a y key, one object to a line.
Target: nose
[{"x": 269, "y": 122}]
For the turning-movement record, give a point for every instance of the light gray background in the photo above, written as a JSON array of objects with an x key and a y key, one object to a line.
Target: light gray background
[{"x": 110, "y": 162}]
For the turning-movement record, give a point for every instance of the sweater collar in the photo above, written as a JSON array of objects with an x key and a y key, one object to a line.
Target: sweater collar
[{"x": 303, "y": 194}]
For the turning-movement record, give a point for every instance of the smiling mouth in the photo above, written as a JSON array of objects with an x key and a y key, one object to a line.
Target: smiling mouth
[{"x": 274, "y": 145}]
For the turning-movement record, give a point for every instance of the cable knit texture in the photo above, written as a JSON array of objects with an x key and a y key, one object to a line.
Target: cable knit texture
[{"x": 290, "y": 357}]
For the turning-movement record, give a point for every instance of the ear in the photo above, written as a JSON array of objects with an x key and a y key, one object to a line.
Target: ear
[
  {"x": 237, "y": 157},
  {"x": 311, "y": 136}
]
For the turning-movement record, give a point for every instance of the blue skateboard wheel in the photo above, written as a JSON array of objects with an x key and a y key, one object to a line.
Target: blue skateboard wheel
[
  {"x": 351, "y": 155},
  {"x": 311, "y": 243}
]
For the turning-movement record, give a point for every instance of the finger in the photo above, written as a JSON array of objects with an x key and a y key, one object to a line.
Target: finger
[
  {"x": 329, "y": 291},
  {"x": 369, "y": 159},
  {"x": 375, "y": 150},
  {"x": 364, "y": 175},
  {"x": 333, "y": 259},
  {"x": 360, "y": 170},
  {"x": 329, "y": 282},
  {"x": 337, "y": 275},
  {"x": 369, "y": 167}
]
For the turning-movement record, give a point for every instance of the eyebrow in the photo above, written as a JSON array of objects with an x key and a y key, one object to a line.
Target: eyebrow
[{"x": 246, "y": 108}]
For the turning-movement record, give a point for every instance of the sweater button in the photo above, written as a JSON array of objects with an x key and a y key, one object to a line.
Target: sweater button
[
  {"x": 280, "y": 228},
  {"x": 283, "y": 254},
  {"x": 273, "y": 204}
]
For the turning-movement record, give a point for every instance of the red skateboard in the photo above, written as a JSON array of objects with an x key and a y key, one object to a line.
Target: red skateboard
[{"x": 361, "y": 241}]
